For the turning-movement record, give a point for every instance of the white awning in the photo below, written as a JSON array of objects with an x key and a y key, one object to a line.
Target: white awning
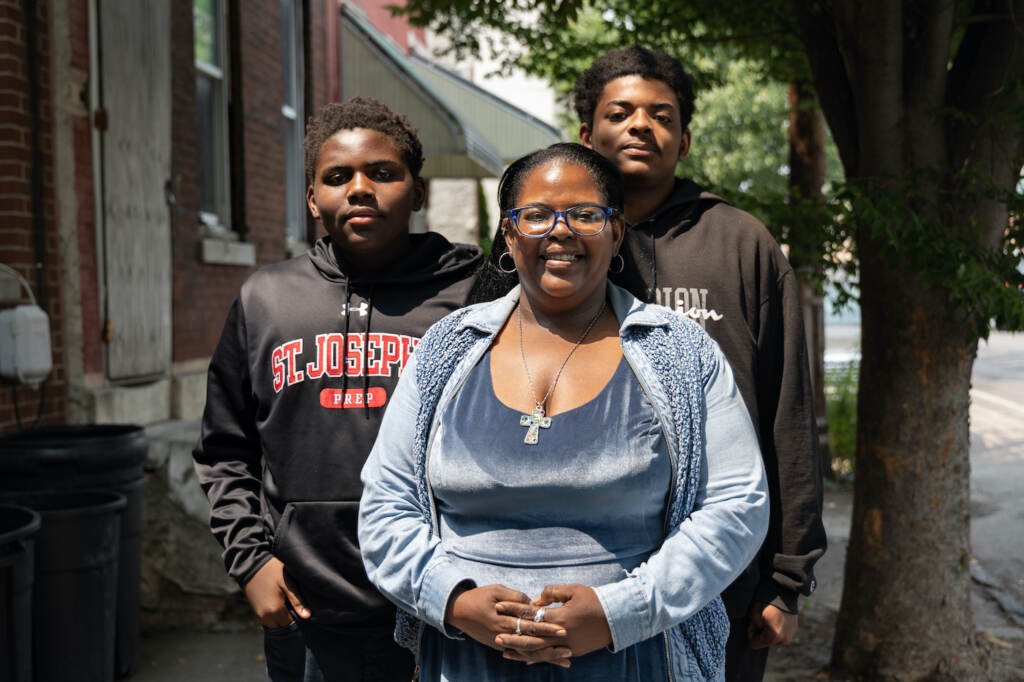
[
  {"x": 374, "y": 67},
  {"x": 511, "y": 130}
]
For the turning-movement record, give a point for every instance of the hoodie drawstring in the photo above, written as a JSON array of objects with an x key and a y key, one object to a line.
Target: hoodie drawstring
[
  {"x": 366, "y": 348},
  {"x": 653, "y": 292},
  {"x": 366, "y": 354},
  {"x": 344, "y": 345}
]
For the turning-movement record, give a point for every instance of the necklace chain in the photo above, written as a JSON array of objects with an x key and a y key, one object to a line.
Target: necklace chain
[{"x": 522, "y": 352}]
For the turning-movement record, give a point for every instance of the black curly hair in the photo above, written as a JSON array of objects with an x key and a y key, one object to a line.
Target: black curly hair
[
  {"x": 602, "y": 171},
  {"x": 361, "y": 112},
  {"x": 632, "y": 61}
]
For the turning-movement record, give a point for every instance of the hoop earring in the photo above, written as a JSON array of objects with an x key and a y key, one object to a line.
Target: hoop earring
[
  {"x": 500, "y": 267},
  {"x": 622, "y": 264}
]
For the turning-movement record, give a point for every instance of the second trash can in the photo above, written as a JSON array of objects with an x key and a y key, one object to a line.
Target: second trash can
[
  {"x": 74, "y": 598},
  {"x": 17, "y": 526},
  {"x": 94, "y": 456}
]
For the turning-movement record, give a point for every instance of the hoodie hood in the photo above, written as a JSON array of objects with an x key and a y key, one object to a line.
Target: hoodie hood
[
  {"x": 430, "y": 257},
  {"x": 308, "y": 362},
  {"x": 688, "y": 204},
  {"x": 686, "y": 195}
]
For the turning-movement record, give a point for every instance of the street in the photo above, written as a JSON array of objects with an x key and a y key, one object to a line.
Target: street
[{"x": 997, "y": 463}]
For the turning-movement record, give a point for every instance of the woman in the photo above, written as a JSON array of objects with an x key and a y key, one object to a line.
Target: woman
[{"x": 565, "y": 476}]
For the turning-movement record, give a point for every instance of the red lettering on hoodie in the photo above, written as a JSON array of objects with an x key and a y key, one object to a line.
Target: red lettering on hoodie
[
  {"x": 391, "y": 353},
  {"x": 387, "y": 355},
  {"x": 354, "y": 355},
  {"x": 353, "y": 397},
  {"x": 291, "y": 350},
  {"x": 277, "y": 363},
  {"x": 328, "y": 357}
]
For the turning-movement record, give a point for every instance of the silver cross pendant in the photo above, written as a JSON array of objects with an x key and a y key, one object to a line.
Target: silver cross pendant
[{"x": 536, "y": 421}]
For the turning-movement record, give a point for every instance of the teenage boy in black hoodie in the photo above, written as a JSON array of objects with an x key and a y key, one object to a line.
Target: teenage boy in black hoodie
[
  {"x": 688, "y": 249},
  {"x": 308, "y": 359}
]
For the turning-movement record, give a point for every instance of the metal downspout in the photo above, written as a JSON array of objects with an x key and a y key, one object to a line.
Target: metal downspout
[{"x": 38, "y": 226}]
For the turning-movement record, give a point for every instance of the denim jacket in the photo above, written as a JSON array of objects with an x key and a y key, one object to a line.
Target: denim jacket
[{"x": 718, "y": 502}]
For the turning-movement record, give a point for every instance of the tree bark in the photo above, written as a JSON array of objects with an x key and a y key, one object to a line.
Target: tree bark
[{"x": 906, "y": 612}]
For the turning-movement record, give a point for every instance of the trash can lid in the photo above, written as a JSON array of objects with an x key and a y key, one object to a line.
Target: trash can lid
[
  {"x": 67, "y": 502},
  {"x": 90, "y": 447},
  {"x": 16, "y": 522}
]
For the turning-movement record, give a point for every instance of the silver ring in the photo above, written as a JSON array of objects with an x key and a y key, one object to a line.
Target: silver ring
[
  {"x": 539, "y": 616},
  {"x": 519, "y": 629}
]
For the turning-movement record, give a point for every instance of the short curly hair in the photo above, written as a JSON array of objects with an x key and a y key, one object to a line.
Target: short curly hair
[
  {"x": 632, "y": 61},
  {"x": 361, "y": 112}
]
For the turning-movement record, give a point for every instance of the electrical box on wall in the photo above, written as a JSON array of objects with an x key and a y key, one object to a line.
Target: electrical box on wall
[{"x": 25, "y": 354}]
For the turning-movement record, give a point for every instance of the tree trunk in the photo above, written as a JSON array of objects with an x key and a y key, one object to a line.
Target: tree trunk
[
  {"x": 806, "y": 179},
  {"x": 881, "y": 71},
  {"x": 906, "y": 612}
]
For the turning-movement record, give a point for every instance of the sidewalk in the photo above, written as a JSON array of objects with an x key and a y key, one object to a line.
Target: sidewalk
[
  {"x": 808, "y": 656},
  {"x": 237, "y": 655}
]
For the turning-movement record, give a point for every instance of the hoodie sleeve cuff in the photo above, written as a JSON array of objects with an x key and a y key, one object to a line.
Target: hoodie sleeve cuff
[
  {"x": 244, "y": 571},
  {"x": 778, "y": 596},
  {"x": 627, "y": 613},
  {"x": 439, "y": 582}
]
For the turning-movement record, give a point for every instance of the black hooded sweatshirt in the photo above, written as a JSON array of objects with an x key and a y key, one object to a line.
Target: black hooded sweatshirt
[
  {"x": 296, "y": 391},
  {"x": 719, "y": 265}
]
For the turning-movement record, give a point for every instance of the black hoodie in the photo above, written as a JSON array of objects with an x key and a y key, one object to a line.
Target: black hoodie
[
  {"x": 296, "y": 391},
  {"x": 720, "y": 266}
]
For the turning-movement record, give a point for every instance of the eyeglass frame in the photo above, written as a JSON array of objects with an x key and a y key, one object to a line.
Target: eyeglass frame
[{"x": 513, "y": 215}]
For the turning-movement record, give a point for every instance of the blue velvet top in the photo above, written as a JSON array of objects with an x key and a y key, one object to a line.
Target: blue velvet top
[{"x": 583, "y": 505}]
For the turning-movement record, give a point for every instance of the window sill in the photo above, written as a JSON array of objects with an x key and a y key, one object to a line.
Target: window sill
[
  {"x": 296, "y": 248},
  {"x": 224, "y": 252}
]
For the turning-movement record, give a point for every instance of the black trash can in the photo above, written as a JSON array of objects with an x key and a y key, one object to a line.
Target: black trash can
[
  {"x": 17, "y": 527},
  {"x": 74, "y": 598},
  {"x": 95, "y": 456}
]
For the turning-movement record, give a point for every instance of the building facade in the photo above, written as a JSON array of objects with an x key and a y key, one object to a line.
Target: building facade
[{"x": 152, "y": 159}]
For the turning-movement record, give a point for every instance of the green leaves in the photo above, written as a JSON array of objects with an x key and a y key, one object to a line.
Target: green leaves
[{"x": 928, "y": 223}]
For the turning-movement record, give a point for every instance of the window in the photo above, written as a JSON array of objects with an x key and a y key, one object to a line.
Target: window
[
  {"x": 212, "y": 144},
  {"x": 294, "y": 122}
]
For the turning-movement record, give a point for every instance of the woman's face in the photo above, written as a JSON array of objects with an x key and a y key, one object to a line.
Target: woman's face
[{"x": 562, "y": 270}]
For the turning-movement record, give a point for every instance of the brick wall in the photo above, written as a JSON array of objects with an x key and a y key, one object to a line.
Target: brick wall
[
  {"x": 17, "y": 228},
  {"x": 204, "y": 292},
  {"x": 398, "y": 28},
  {"x": 201, "y": 293}
]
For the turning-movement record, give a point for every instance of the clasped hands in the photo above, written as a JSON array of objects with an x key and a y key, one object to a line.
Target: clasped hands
[{"x": 489, "y": 614}]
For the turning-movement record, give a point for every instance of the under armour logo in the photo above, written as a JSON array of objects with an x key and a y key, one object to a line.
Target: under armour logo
[{"x": 362, "y": 308}]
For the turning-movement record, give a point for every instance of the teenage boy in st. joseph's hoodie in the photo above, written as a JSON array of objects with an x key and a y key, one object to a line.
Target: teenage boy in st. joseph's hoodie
[
  {"x": 310, "y": 354},
  {"x": 691, "y": 251}
]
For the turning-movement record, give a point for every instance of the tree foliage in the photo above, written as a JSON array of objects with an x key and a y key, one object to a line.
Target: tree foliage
[{"x": 740, "y": 53}]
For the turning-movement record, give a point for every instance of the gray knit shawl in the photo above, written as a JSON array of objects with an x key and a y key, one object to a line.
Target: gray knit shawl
[{"x": 681, "y": 354}]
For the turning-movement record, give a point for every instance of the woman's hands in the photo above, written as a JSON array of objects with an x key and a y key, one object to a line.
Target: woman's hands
[
  {"x": 581, "y": 615},
  {"x": 475, "y": 612}
]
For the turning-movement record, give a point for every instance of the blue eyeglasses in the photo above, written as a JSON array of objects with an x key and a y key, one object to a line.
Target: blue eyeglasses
[{"x": 583, "y": 220}]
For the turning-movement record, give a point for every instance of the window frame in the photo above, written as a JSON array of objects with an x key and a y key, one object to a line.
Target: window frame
[
  {"x": 218, "y": 223},
  {"x": 293, "y": 125}
]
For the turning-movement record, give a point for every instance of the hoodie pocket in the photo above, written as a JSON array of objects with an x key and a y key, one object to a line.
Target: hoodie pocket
[{"x": 317, "y": 543}]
